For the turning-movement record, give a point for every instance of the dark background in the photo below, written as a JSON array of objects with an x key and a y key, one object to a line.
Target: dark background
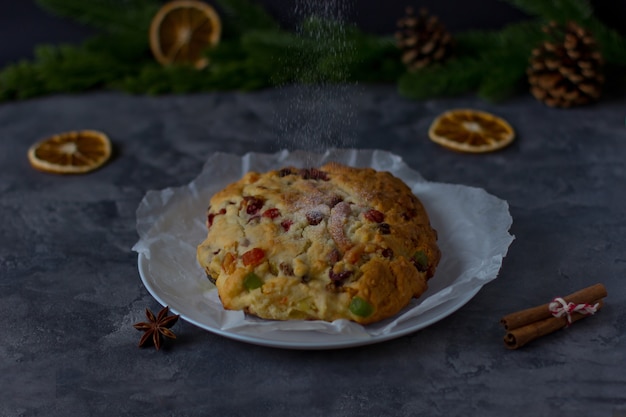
[{"x": 23, "y": 24}]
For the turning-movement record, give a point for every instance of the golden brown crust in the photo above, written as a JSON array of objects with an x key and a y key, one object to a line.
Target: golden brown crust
[{"x": 330, "y": 243}]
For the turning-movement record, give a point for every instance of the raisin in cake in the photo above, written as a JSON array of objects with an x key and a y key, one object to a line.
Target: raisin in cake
[{"x": 330, "y": 243}]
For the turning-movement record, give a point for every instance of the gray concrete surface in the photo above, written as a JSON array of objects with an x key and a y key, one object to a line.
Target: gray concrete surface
[{"x": 70, "y": 290}]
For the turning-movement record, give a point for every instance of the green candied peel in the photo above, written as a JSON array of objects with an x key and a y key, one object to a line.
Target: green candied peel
[
  {"x": 421, "y": 259},
  {"x": 252, "y": 281},
  {"x": 360, "y": 307}
]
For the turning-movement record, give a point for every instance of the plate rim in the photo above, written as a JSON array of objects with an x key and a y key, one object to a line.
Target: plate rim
[{"x": 449, "y": 307}]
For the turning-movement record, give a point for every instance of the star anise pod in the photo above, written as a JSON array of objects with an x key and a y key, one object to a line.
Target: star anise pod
[{"x": 156, "y": 327}]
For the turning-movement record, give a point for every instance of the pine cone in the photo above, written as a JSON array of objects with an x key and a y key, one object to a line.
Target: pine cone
[
  {"x": 423, "y": 39},
  {"x": 566, "y": 70}
]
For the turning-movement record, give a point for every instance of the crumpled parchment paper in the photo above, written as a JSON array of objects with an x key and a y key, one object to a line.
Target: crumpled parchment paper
[{"x": 473, "y": 228}]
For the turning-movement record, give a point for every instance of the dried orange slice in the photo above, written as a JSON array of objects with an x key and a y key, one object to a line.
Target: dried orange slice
[
  {"x": 468, "y": 130},
  {"x": 182, "y": 30},
  {"x": 71, "y": 152}
]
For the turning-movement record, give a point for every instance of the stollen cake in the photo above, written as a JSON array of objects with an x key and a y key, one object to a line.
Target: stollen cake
[{"x": 327, "y": 243}]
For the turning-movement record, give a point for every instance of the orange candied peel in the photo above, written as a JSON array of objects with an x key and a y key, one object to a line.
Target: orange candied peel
[
  {"x": 473, "y": 131},
  {"x": 75, "y": 152}
]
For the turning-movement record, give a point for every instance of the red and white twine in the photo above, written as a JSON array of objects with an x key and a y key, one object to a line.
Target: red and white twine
[{"x": 559, "y": 308}]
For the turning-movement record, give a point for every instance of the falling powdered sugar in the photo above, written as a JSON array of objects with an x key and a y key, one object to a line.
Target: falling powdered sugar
[{"x": 318, "y": 112}]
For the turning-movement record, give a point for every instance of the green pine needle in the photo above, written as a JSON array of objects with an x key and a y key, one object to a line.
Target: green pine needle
[{"x": 455, "y": 77}]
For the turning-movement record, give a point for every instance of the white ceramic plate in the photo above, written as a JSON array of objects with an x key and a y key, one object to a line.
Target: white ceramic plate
[
  {"x": 473, "y": 236},
  {"x": 303, "y": 339}
]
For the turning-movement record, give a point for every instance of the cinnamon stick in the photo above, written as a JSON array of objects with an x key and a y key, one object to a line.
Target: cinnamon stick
[
  {"x": 531, "y": 315},
  {"x": 522, "y": 335}
]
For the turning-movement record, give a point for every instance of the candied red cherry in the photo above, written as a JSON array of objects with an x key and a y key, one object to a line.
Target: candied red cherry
[
  {"x": 211, "y": 216},
  {"x": 323, "y": 176},
  {"x": 305, "y": 173},
  {"x": 313, "y": 174},
  {"x": 271, "y": 213},
  {"x": 374, "y": 216},
  {"x": 314, "y": 217},
  {"x": 338, "y": 276},
  {"x": 286, "y": 224},
  {"x": 316, "y": 174},
  {"x": 334, "y": 200},
  {"x": 253, "y": 204},
  {"x": 253, "y": 257}
]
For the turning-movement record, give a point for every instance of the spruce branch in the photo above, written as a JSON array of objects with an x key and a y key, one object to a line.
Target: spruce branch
[
  {"x": 256, "y": 53},
  {"x": 502, "y": 82},
  {"x": 457, "y": 76},
  {"x": 489, "y": 63},
  {"x": 21, "y": 81},
  {"x": 611, "y": 43}
]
